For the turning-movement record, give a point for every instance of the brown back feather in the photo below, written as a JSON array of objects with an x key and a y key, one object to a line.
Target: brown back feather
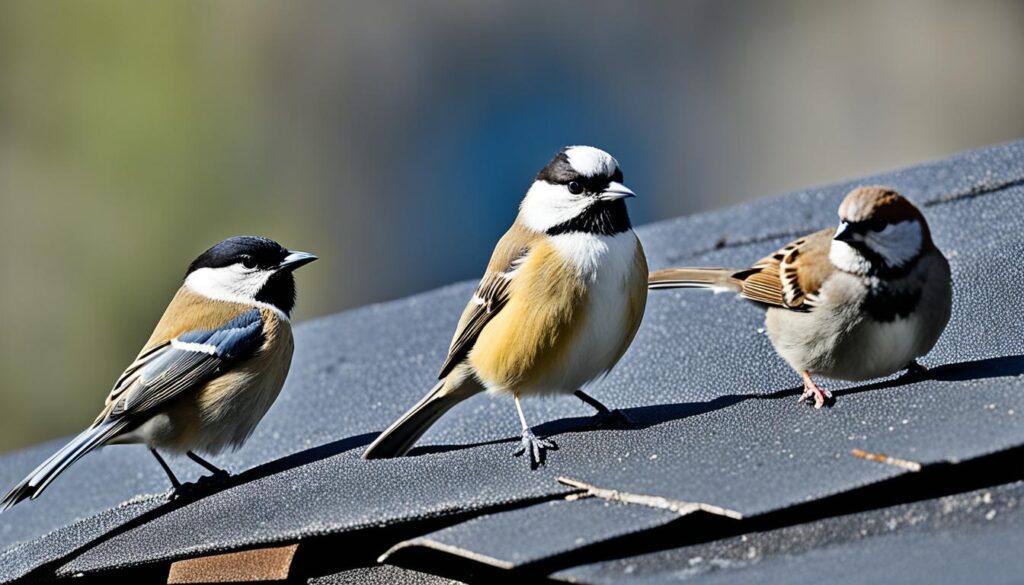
[{"x": 792, "y": 276}]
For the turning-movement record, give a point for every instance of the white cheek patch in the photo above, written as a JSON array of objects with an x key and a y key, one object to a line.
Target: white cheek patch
[
  {"x": 591, "y": 162},
  {"x": 547, "y": 205},
  {"x": 846, "y": 258},
  {"x": 230, "y": 283},
  {"x": 898, "y": 243}
]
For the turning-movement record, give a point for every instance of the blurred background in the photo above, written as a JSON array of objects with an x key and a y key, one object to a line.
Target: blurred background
[{"x": 396, "y": 139}]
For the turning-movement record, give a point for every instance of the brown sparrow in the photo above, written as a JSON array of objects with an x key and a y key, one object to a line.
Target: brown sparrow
[{"x": 861, "y": 301}]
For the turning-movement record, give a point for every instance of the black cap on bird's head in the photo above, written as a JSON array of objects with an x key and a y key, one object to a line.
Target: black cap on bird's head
[
  {"x": 579, "y": 190},
  {"x": 248, "y": 268}
]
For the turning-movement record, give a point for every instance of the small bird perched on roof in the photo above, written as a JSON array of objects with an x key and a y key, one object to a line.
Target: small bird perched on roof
[
  {"x": 210, "y": 371},
  {"x": 858, "y": 302},
  {"x": 560, "y": 302}
]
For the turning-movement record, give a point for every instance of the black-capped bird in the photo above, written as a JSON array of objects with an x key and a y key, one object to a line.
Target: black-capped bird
[
  {"x": 562, "y": 298},
  {"x": 215, "y": 363},
  {"x": 860, "y": 301}
]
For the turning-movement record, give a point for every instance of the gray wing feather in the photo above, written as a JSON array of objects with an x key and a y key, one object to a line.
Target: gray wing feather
[
  {"x": 156, "y": 376},
  {"x": 176, "y": 367}
]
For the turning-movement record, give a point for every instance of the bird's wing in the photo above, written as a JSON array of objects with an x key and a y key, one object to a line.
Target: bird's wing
[
  {"x": 491, "y": 294},
  {"x": 791, "y": 277},
  {"x": 189, "y": 359}
]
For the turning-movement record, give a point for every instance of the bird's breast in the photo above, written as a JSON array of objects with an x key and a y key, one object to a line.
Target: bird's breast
[
  {"x": 571, "y": 312},
  {"x": 232, "y": 405}
]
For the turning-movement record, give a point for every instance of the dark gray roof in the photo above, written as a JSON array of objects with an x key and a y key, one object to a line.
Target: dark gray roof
[
  {"x": 380, "y": 575},
  {"x": 973, "y": 537},
  {"x": 717, "y": 425},
  {"x": 520, "y": 538}
]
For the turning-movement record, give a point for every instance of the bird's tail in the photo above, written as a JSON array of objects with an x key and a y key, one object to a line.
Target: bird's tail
[
  {"x": 398, "y": 438},
  {"x": 41, "y": 476},
  {"x": 719, "y": 279}
]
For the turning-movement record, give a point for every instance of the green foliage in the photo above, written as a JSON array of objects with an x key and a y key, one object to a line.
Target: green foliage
[{"x": 128, "y": 147}]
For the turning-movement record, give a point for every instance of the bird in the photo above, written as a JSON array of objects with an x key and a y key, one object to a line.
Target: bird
[
  {"x": 211, "y": 369},
  {"x": 559, "y": 304},
  {"x": 860, "y": 301}
]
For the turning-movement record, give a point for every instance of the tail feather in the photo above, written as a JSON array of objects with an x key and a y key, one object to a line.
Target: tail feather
[
  {"x": 398, "y": 438},
  {"x": 42, "y": 476},
  {"x": 718, "y": 279}
]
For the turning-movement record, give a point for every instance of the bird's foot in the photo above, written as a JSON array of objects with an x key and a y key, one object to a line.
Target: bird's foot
[
  {"x": 535, "y": 447},
  {"x": 184, "y": 491},
  {"x": 613, "y": 419},
  {"x": 214, "y": 479},
  {"x": 605, "y": 418},
  {"x": 204, "y": 484},
  {"x": 812, "y": 392},
  {"x": 915, "y": 370}
]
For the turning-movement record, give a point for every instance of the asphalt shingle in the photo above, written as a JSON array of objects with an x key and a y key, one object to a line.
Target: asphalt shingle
[
  {"x": 715, "y": 408},
  {"x": 967, "y": 538}
]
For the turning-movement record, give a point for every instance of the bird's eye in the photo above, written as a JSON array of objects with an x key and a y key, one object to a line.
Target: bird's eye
[
  {"x": 876, "y": 225},
  {"x": 575, "y": 188},
  {"x": 248, "y": 262}
]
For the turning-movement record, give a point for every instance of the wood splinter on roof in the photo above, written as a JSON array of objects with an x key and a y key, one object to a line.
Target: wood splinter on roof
[
  {"x": 679, "y": 507},
  {"x": 903, "y": 463}
]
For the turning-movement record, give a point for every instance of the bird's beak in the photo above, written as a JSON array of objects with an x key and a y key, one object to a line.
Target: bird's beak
[
  {"x": 614, "y": 191},
  {"x": 295, "y": 259},
  {"x": 844, "y": 233}
]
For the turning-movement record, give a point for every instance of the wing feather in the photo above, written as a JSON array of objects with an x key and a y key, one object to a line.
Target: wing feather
[
  {"x": 491, "y": 294},
  {"x": 168, "y": 369},
  {"x": 791, "y": 277}
]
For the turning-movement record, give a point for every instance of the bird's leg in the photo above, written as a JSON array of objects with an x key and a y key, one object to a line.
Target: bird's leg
[
  {"x": 531, "y": 444},
  {"x": 916, "y": 370},
  {"x": 216, "y": 471},
  {"x": 813, "y": 392},
  {"x": 167, "y": 469},
  {"x": 605, "y": 417}
]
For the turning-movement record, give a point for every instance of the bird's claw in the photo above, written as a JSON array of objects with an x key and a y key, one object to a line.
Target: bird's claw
[
  {"x": 613, "y": 419},
  {"x": 216, "y": 478},
  {"x": 184, "y": 491},
  {"x": 204, "y": 483},
  {"x": 915, "y": 370},
  {"x": 818, "y": 396},
  {"x": 536, "y": 447}
]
